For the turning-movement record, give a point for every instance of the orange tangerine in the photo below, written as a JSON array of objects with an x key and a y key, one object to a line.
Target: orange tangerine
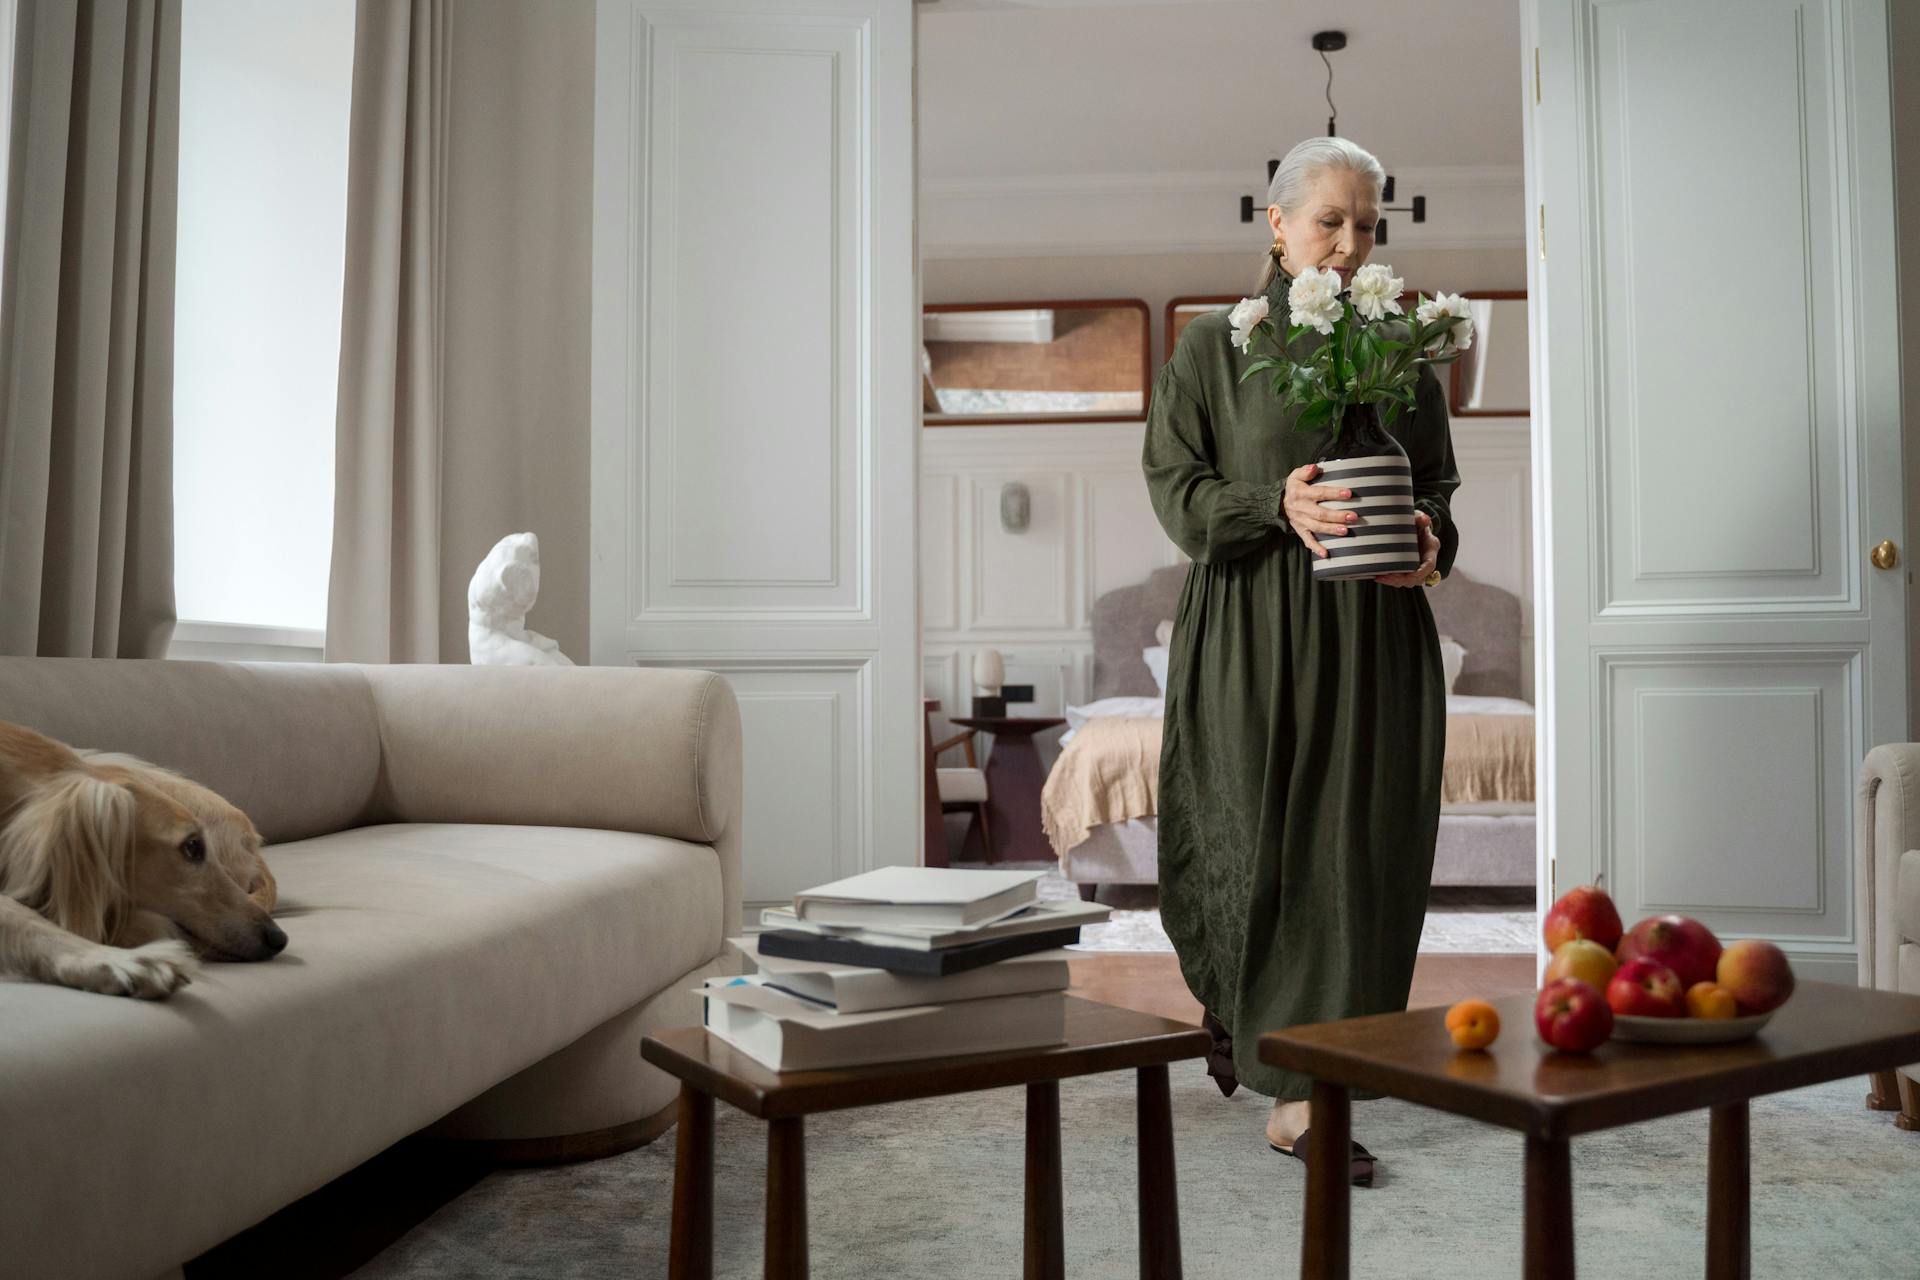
[
  {"x": 1473, "y": 1024},
  {"x": 1710, "y": 1000}
]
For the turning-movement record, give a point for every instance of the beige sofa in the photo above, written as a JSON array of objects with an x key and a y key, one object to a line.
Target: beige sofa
[
  {"x": 494, "y": 881},
  {"x": 1887, "y": 897}
]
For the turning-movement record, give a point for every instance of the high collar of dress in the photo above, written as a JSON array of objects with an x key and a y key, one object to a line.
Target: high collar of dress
[{"x": 1277, "y": 290}]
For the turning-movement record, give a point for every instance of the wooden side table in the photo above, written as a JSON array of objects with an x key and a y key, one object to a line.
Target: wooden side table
[
  {"x": 1826, "y": 1031},
  {"x": 1015, "y": 778},
  {"x": 1099, "y": 1038}
]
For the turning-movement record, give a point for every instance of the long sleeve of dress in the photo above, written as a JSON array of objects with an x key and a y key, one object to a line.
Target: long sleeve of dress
[
  {"x": 1208, "y": 516},
  {"x": 1428, "y": 440}
]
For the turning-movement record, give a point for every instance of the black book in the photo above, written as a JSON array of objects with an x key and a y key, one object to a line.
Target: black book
[{"x": 795, "y": 945}]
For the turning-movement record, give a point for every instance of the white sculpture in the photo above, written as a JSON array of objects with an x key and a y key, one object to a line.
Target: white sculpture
[{"x": 502, "y": 591}]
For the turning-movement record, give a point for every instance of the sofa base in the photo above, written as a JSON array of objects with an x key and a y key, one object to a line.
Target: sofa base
[
  {"x": 570, "y": 1148},
  {"x": 594, "y": 1094}
]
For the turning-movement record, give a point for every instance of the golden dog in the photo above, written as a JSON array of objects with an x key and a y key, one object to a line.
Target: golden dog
[{"x": 115, "y": 872}]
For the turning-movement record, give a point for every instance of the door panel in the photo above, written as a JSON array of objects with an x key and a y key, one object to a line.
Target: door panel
[
  {"x": 756, "y": 383},
  {"x": 1711, "y": 255}
]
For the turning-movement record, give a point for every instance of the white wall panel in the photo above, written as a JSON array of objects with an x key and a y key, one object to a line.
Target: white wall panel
[{"x": 1721, "y": 798}]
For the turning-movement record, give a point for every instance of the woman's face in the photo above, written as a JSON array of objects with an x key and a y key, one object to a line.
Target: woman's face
[{"x": 1333, "y": 227}]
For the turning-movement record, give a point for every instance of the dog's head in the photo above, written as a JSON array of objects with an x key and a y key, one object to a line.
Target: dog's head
[
  {"x": 196, "y": 862},
  {"x": 106, "y": 846}
]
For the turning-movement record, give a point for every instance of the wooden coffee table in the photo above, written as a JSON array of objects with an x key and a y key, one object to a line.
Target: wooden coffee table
[
  {"x": 1826, "y": 1031},
  {"x": 1099, "y": 1038}
]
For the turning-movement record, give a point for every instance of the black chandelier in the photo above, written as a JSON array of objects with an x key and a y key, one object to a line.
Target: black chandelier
[{"x": 1325, "y": 42}]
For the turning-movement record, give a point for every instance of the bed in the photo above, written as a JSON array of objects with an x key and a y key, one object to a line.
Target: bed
[{"x": 1098, "y": 804}]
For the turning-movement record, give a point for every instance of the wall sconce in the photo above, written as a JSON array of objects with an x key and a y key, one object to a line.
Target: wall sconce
[{"x": 1016, "y": 507}]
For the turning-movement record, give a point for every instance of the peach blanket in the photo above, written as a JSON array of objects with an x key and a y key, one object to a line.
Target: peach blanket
[{"x": 1110, "y": 771}]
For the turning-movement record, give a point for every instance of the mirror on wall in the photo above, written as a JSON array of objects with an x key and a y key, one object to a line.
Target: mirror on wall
[
  {"x": 1490, "y": 379},
  {"x": 1183, "y": 311},
  {"x": 987, "y": 363}
]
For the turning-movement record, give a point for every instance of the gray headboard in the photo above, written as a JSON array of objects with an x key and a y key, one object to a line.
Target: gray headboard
[{"x": 1485, "y": 619}]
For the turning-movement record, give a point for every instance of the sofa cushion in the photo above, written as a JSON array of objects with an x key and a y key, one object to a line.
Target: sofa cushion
[
  {"x": 1906, "y": 911},
  {"x": 426, "y": 963},
  {"x": 296, "y": 746}
]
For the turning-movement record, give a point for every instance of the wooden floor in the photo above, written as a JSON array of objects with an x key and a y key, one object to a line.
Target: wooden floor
[{"x": 1151, "y": 982}]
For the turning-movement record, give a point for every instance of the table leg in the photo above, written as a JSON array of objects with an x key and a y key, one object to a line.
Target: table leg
[
  {"x": 1325, "y": 1241},
  {"x": 690, "y": 1255},
  {"x": 1159, "y": 1201},
  {"x": 1549, "y": 1231},
  {"x": 1729, "y": 1219},
  {"x": 1046, "y": 1236},
  {"x": 786, "y": 1200},
  {"x": 1015, "y": 780}
]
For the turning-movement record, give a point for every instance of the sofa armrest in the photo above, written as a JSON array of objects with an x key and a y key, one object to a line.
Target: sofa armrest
[
  {"x": 1886, "y": 823},
  {"x": 648, "y": 750}
]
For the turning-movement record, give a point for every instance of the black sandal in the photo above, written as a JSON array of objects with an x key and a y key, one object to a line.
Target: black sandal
[
  {"x": 1359, "y": 1166},
  {"x": 1220, "y": 1057}
]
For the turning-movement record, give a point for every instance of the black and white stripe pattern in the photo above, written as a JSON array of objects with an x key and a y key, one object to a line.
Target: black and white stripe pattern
[{"x": 1385, "y": 538}]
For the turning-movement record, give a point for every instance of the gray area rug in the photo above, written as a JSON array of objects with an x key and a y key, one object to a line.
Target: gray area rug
[{"x": 933, "y": 1189}]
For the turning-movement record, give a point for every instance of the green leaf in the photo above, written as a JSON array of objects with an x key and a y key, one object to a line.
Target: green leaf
[
  {"x": 1315, "y": 416},
  {"x": 1389, "y": 413}
]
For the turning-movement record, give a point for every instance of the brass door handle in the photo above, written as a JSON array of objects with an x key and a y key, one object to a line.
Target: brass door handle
[{"x": 1886, "y": 556}]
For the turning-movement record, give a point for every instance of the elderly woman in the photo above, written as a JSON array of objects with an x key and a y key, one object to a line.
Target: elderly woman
[{"x": 1305, "y": 721}]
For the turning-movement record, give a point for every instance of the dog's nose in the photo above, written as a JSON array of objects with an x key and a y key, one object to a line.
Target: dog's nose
[{"x": 274, "y": 939}]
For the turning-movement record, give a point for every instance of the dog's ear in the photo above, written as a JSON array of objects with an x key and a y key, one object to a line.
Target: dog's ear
[{"x": 67, "y": 853}]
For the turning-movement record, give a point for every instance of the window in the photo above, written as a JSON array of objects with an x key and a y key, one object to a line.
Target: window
[{"x": 265, "y": 91}]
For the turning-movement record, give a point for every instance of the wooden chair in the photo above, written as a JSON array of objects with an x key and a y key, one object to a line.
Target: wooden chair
[{"x": 952, "y": 790}]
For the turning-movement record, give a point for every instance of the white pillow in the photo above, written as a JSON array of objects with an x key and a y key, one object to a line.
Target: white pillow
[
  {"x": 1452, "y": 655},
  {"x": 1163, "y": 634},
  {"x": 1156, "y": 660},
  {"x": 1129, "y": 706}
]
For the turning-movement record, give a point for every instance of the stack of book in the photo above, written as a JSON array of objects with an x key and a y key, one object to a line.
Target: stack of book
[{"x": 902, "y": 962}]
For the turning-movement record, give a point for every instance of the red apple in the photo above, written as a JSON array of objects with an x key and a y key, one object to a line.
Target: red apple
[
  {"x": 1681, "y": 943},
  {"x": 1645, "y": 988},
  {"x": 1583, "y": 912},
  {"x": 1757, "y": 973},
  {"x": 1571, "y": 1015}
]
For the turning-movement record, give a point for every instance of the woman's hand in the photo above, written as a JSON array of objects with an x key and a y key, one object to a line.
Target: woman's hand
[
  {"x": 1429, "y": 556},
  {"x": 1307, "y": 516}
]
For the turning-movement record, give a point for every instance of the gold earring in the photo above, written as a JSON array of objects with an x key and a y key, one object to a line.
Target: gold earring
[{"x": 1279, "y": 249}]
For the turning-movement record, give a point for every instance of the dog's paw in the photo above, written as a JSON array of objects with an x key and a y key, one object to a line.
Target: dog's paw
[{"x": 151, "y": 972}]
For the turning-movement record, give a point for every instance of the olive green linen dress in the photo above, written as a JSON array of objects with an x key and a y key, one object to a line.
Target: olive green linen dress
[{"x": 1305, "y": 721}]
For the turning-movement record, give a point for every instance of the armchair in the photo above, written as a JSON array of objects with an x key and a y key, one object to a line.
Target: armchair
[{"x": 1887, "y": 899}]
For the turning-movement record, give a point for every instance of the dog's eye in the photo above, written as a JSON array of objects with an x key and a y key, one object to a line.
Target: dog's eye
[{"x": 194, "y": 848}]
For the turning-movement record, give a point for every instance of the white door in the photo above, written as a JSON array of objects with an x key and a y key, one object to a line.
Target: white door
[
  {"x": 1713, "y": 267},
  {"x": 755, "y": 401}
]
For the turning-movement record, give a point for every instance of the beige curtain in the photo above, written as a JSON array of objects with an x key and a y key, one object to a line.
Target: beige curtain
[
  {"x": 86, "y": 330},
  {"x": 383, "y": 591}
]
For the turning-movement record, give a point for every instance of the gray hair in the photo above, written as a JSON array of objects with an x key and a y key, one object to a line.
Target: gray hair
[{"x": 1293, "y": 180}]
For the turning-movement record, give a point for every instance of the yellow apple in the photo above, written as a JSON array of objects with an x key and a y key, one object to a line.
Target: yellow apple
[{"x": 1585, "y": 959}]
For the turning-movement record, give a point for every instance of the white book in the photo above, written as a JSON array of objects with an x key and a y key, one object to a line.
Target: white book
[
  {"x": 920, "y": 896},
  {"x": 853, "y": 989},
  {"x": 1051, "y": 913},
  {"x": 786, "y": 1033}
]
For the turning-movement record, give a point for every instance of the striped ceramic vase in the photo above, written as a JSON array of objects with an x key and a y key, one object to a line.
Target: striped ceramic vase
[{"x": 1365, "y": 459}]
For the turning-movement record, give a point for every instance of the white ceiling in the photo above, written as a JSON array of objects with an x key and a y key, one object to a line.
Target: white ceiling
[{"x": 1053, "y": 88}]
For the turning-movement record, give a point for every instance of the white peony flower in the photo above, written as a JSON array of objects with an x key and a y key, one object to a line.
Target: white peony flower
[
  {"x": 1447, "y": 304},
  {"x": 1374, "y": 289},
  {"x": 1245, "y": 316},
  {"x": 1314, "y": 298}
]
